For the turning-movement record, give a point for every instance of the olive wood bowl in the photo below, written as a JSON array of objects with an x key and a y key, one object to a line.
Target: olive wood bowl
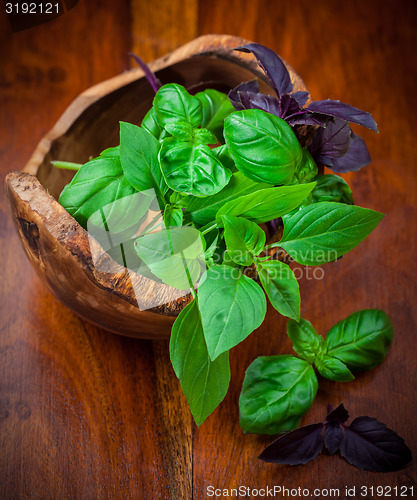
[{"x": 58, "y": 248}]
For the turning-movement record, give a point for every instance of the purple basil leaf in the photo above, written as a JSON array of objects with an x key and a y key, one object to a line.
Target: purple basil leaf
[
  {"x": 251, "y": 86},
  {"x": 340, "y": 414},
  {"x": 344, "y": 112},
  {"x": 331, "y": 142},
  {"x": 357, "y": 156},
  {"x": 305, "y": 118},
  {"x": 267, "y": 103},
  {"x": 333, "y": 434},
  {"x": 301, "y": 97},
  {"x": 295, "y": 447},
  {"x": 289, "y": 105},
  {"x": 370, "y": 445},
  {"x": 274, "y": 68},
  {"x": 152, "y": 79}
]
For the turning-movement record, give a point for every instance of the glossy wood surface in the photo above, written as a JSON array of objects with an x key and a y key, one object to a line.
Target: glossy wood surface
[{"x": 88, "y": 414}]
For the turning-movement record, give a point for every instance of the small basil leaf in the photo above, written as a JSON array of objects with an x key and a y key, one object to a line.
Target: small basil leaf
[
  {"x": 250, "y": 133},
  {"x": 333, "y": 434},
  {"x": 331, "y": 142},
  {"x": 180, "y": 129},
  {"x": 340, "y": 414},
  {"x": 268, "y": 103},
  {"x": 150, "y": 123},
  {"x": 322, "y": 232},
  {"x": 331, "y": 187},
  {"x": 192, "y": 169},
  {"x": 281, "y": 286},
  {"x": 244, "y": 239},
  {"x": 296, "y": 447},
  {"x": 362, "y": 339},
  {"x": 176, "y": 255},
  {"x": 172, "y": 103},
  {"x": 333, "y": 369},
  {"x": 307, "y": 171},
  {"x": 231, "y": 306},
  {"x": 277, "y": 391},
  {"x": 204, "y": 382},
  {"x": 173, "y": 216},
  {"x": 223, "y": 154},
  {"x": 215, "y": 108},
  {"x": 204, "y": 136},
  {"x": 139, "y": 158},
  {"x": 203, "y": 210},
  {"x": 370, "y": 445},
  {"x": 307, "y": 343},
  {"x": 267, "y": 204},
  {"x": 212, "y": 239},
  {"x": 235, "y": 94},
  {"x": 356, "y": 157}
]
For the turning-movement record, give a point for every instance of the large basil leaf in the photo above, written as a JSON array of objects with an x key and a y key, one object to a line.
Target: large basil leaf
[
  {"x": 281, "y": 286},
  {"x": 244, "y": 239},
  {"x": 362, "y": 339},
  {"x": 204, "y": 382},
  {"x": 231, "y": 306},
  {"x": 216, "y": 106},
  {"x": 263, "y": 146},
  {"x": 172, "y": 103},
  {"x": 324, "y": 231},
  {"x": 276, "y": 392},
  {"x": 192, "y": 169},
  {"x": 266, "y": 204},
  {"x": 139, "y": 158},
  {"x": 176, "y": 255},
  {"x": 307, "y": 343},
  {"x": 331, "y": 187},
  {"x": 96, "y": 185},
  {"x": 150, "y": 123},
  {"x": 203, "y": 210},
  {"x": 333, "y": 369}
]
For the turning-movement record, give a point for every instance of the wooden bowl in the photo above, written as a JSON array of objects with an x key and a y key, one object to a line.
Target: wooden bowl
[{"x": 57, "y": 246}]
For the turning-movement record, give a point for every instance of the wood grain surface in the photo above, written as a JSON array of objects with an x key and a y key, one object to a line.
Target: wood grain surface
[{"x": 88, "y": 414}]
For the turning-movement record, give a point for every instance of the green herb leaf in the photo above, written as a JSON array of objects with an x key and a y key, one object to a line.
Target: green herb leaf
[
  {"x": 231, "y": 306},
  {"x": 204, "y": 136},
  {"x": 176, "y": 255},
  {"x": 204, "y": 382},
  {"x": 263, "y": 146},
  {"x": 276, "y": 392},
  {"x": 333, "y": 369},
  {"x": 281, "y": 286},
  {"x": 266, "y": 204},
  {"x": 216, "y": 106},
  {"x": 192, "y": 169},
  {"x": 223, "y": 154},
  {"x": 172, "y": 103},
  {"x": 331, "y": 187},
  {"x": 139, "y": 158},
  {"x": 150, "y": 123},
  {"x": 172, "y": 216},
  {"x": 203, "y": 210},
  {"x": 324, "y": 231},
  {"x": 307, "y": 343},
  {"x": 244, "y": 239},
  {"x": 307, "y": 169},
  {"x": 362, "y": 339},
  {"x": 180, "y": 129}
]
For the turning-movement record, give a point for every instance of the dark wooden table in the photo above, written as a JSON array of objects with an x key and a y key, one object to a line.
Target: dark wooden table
[{"x": 87, "y": 414}]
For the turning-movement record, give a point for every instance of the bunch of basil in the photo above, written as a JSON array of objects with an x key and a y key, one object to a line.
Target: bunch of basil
[{"x": 214, "y": 171}]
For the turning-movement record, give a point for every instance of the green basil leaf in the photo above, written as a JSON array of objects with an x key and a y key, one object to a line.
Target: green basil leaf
[
  {"x": 139, "y": 158},
  {"x": 333, "y": 369},
  {"x": 176, "y": 255},
  {"x": 307, "y": 343},
  {"x": 204, "y": 136},
  {"x": 204, "y": 382},
  {"x": 263, "y": 146},
  {"x": 173, "y": 217},
  {"x": 307, "y": 169},
  {"x": 150, "y": 123},
  {"x": 244, "y": 239},
  {"x": 111, "y": 152},
  {"x": 192, "y": 169},
  {"x": 362, "y": 339},
  {"x": 172, "y": 103},
  {"x": 216, "y": 106},
  {"x": 231, "y": 306},
  {"x": 266, "y": 204},
  {"x": 331, "y": 187},
  {"x": 180, "y": 129},
  {"x": 223, "y": 154},
  {"x": 203, "y": 210},
  {"x": 95, "y": 185},
  {"x": 324, "y": 231},
  {"x": 281, "y": 286},
  {"x": 277, "y": 391}
]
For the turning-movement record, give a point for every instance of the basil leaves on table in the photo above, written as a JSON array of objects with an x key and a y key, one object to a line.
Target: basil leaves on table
[{"x": 180, "y": 202}]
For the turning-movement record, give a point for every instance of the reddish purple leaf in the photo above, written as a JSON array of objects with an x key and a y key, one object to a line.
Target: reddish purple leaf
[
  {"x": 301, "y": 97},
  {"x": 295, "y": 447},
  {"x": 304, "y": 118},
  {"x": 289, "y": 106},
  {"x": 357, "y": 156},
  {"x": 331, "y": 142},
  {"x": 267, "y": 103},
  {"x": 340, "y": 414},
  {"x": 234, "y": 94},
  {"x": 333, "y": 434}
]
